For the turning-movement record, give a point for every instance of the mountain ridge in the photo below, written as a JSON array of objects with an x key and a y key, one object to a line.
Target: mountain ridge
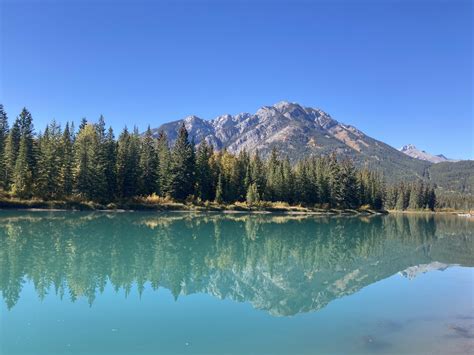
[{"x": 298, "y": 131}]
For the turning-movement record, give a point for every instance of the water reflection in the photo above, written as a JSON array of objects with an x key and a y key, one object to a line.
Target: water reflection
[{"x": 282, "y": 264}]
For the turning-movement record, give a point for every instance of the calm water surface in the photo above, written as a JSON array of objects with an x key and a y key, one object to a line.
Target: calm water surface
[{"x": 147, "y": 283}]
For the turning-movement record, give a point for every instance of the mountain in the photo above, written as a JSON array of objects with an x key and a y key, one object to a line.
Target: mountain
[
  {"x": 297, "y": 131},
  {"x": 414, "y": 152}
]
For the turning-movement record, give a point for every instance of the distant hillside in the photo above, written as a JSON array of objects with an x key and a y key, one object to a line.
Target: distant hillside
[
  {"x": 455, "y": 176},
  {"x": 298, "y": 131}
]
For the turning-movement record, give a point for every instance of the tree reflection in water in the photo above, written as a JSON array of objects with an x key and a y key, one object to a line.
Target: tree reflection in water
[{"x": 281, "y": 264}]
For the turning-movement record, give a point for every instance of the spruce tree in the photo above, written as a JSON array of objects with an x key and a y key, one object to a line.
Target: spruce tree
[
  {"x": 182, "y": 166},
  {"x": 22, "y": 175},
  {"x": 47, "y": 182},
  {"x": 128, "y": 161},
  {"x": 204, "y": 183},
  {"x": 3, "y": 141},
  {"x": 66, "y": 178},
  {"x": 164, "y": 165},
  {"x": 335, "y": 182},
  {"x": 27, "y": 134},
  {"x": 24, "y": 170},
  {"x": 89, "y": 169},
  {"x": 348, "y": 181},
  {"x": 253, "y": 196},
  {"x": 12, "y": 146},
  {"x": 219, "y": 190},
  {"x": 110, "y": 148},
  {"x": 148, "y": 164}
]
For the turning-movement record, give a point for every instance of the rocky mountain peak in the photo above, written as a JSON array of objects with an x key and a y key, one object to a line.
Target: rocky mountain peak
[
  {"x": 296, "y": 131},
  {"x": 412, "y": 151},
  {"x": 408, "y": 147}
]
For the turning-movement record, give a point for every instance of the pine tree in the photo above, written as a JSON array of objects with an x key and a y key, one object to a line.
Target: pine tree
[
  {"x": 47, "y": 181},
  {"x": 12, "y": 146},
  {"x": 22, "y": 175},
  {"x": 89, "y": 170},
  {"x": 164, "y": 165},
  {"x": 110, "y": 148},
  {"x": 348, "y": 181},
  {"x": 416, "y": 196},
  {"x": 24, "y": 171},
  {"x": 66, "y": 178},
  {"x": 219, "y": 191},
  {"x": 273, "y": 176},
  {"x": 322, "y": 181},
  {"x": 431, "y": 199},
  {"x": 253, "y": 196},
  {"x": 27, "y": 134},
  {"x": 3, "y": 141},
  {"x": 335, "y": 182},
  {"x": 257, "y": 172},
  {"x": 148, "y": 164},
  {"x": 204, "y": 183},
  {"x": 182, "y": 166}
]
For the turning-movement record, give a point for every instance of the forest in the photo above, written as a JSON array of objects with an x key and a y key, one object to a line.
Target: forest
[{"x": 90, "y": 164}]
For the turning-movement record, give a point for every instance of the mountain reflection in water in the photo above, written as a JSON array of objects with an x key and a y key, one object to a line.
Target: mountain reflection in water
[{"x": 281, "y": 264}]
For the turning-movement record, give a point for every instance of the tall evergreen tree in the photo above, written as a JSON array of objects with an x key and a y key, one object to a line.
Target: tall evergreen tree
[
  {"x": 148, "y": 164},
  {"x": 110, "y": 148},
  {"x": 89, "y": 170},
  {"x": 23, "y": 175},
  {"x": 12, "y": 146},
  {"x": 164, "y": 165},
  {"x": 182, "y": 166},
  {"x": 348, "y": 181},
  {"x": 128, "y": 161},
  {"x": 253, "y": 196},
  {"x": 66, "y": 178},
  {"x": 204, "y": 179},
  {"x": 47, "y": 184},
  {"x": 219, "y": 190},
  {"x": 335, "y": 183},
  {"x": 3, "y": 141},
  {"x": 25, "y": 165}
]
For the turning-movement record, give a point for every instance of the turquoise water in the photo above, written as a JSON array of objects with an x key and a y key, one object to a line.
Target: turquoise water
[{"x": 147, "y": 283}]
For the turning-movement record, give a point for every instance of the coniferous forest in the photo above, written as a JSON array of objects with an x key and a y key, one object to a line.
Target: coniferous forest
[{"x": 90, "y": 164}]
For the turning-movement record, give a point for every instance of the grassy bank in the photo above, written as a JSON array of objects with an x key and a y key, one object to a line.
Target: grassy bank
[{"x": 144, "y": 204}]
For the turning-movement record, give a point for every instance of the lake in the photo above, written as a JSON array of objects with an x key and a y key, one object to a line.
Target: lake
[{"x": 181, "y": 283}]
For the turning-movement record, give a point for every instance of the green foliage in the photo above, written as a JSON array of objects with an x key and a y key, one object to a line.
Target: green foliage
[
  {"x": 182, "y": 166},
  {"x": 148, "y": 164},
  {"x": 66, "y": 177},
  {"x": 3, "y": 141},
  {"x": 89, "y": 168},
  {"x": 92, "y": 165},
  {"x": 25, "y": 164},
  {"x": 128, "y": 161},
  {"x": 164, "y": 177},
  {"x": 253, "y": 197}
]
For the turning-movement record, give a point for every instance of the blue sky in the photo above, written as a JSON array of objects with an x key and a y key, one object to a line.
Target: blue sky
[{"x": 400, "y": 70}]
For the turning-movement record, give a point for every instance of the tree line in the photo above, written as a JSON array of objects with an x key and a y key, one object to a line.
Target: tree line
[{"x": 91, "y": 164}]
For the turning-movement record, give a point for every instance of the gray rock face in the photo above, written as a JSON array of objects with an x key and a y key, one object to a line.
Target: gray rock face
[
  {"x": 296, "y": 131},
  {"x": 416, "y": 153}
]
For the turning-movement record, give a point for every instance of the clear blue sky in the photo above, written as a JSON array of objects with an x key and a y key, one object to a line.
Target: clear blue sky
[{"x": 401, "y": 71}]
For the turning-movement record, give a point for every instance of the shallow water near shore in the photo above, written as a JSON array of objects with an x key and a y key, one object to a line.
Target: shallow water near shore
[{"x": 149, "y": 283}]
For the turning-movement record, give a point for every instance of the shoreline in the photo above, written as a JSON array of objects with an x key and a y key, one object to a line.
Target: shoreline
[
  {"x": 238, "y": 208},
  {"x": 176, "y": 207}
]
